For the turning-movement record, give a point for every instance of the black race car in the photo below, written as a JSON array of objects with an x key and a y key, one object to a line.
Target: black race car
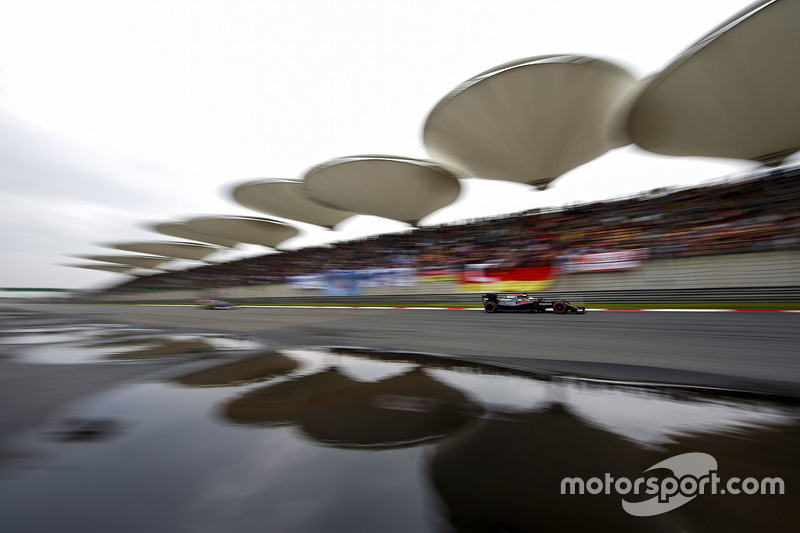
[
  {"x": 520, "y": 301},
  {"x": 215, "y": 304}
]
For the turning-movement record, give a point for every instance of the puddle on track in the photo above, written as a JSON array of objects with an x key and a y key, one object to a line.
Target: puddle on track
[
  {"x": 87, "y": 345},
  {"x": 358, "y": 440}
]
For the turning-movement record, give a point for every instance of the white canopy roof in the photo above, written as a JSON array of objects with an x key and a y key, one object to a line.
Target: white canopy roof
[
  {"x": 181, "y": 230},
  {"x": 530, "y": 120},
  {"x": 735, "y": 93},
  {"x": 144, "y": 261},
  {"x": 287, "y": 199},
  {"x": 251, "y": 230},
  {"x": 393, "y": 187},
  {"x": 178, "y": 250},
  {"x": 117, "y": 269}
]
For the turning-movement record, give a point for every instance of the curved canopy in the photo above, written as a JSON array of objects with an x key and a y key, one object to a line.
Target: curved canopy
[
  {"x": 181, "y": 230},
  {"x": 177, "y": 250},
  {"x": 530, "y": 120},
  {"x": 144, "y": 261},
  {"x": 732, "y": 94},
  {"x": 249, "y": 230},
  {"x": 117, "y": 269},
  {"x": 393, "y": 187},
  {"x": 287, "y": 199}
]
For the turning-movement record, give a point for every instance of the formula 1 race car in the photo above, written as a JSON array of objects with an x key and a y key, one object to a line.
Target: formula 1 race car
[
  {"x": 520, "y": 301},
  {"x": 215, "y": 304}
]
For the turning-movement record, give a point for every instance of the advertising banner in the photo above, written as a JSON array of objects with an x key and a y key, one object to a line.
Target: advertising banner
[
  {"x": 439, "y": 274},
  {"x": 342, "y": 283},
  {"x": 309, "y": 281},
  {"x": 606, "y": 261},
  {"x": 352, "y": 282},
  {"x": 388, "y": 277}
]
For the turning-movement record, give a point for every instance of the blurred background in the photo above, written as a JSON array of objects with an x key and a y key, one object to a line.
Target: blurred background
[{"x": 567, "y": 172}]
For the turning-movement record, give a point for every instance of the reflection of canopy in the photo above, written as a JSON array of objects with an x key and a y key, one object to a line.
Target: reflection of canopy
[
  {"x": 178, "y": 250},
  {"x": 732, "y": 94},
  {"x": 506, "y": 472},
  {"x": 144, "y": 261},
  {"x": 153, "y": 348},
  {"x": 257, "y": 367},
  {"x": 284, "y": 403},
  {"x": 244, "y": 229},
  {"x": 530, "y": 120},
  {"x": 335, "y": 409},
  {"x": 398, "y": 411},
  {"x": 287, "y": 199},
  {"x": 393, "y": 187},
  {"x": 181, "y": 230},
  {"x": 757, "y": 452}
]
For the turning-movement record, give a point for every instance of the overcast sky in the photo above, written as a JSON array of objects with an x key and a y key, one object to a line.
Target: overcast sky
[{"x": 115, "y": 114}]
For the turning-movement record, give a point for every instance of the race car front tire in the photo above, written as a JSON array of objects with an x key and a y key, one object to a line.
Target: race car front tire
[{"x": 559, "y": 308}]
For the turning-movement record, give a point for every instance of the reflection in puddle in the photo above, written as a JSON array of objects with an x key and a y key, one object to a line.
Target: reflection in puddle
[
  {"x": 42, "y": 335},
  {"x": 38, "y": 338},
  {"x": 86, "y": 429},
  {"x": 122, "y": 332},
  {"x": 137, "y": 348},
  {"x": 284, "y": 403},
  {"x": 154, "y": 348},
  {"x": 41, "y": 330},
  {"x": 652, "y": 419},
  {"x": 506, "y": 472},
  {"x": 332, "y": 408},
  {"x": 357, "y": 440},
  {"x": 399, "y": 411},
  {"x": 247, "y": 369},
  {"x": 33, "y": 339}
]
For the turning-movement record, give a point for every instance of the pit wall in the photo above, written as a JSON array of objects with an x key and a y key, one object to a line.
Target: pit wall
[{"x": 776, "y": 270}]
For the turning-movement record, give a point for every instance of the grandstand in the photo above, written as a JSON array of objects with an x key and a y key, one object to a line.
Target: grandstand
[{"x": 748, "y": 215}]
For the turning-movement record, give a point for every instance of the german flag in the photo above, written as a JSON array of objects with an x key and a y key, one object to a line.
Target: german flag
[{"x": 508, "y": 279}]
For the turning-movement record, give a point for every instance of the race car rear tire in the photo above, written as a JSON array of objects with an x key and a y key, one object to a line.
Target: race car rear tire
[
  {"x": 490, "y": 307},
  {"x": 559, "y": 308}
]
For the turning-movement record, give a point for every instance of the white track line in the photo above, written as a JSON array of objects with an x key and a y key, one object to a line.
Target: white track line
[{"x": 481, "y": 309}]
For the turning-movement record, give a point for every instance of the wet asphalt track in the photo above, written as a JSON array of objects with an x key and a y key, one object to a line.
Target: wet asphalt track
[{"x": 750, "y": 350}]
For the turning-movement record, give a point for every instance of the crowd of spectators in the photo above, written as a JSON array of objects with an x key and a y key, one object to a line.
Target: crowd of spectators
[{"x": 749, "y": 215}]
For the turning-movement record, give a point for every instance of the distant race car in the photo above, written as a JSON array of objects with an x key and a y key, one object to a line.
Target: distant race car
[
  {"x": 215, "y": 304},
  {"x": 520, "y": 301}
]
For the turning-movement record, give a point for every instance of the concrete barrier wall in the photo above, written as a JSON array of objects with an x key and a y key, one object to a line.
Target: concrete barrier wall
[
  {"x": 266, "y": 292},
  {"x": 768, "y": 269},
  {"x": 740, "y": 271},
  {"x": 283, "y": 291}
]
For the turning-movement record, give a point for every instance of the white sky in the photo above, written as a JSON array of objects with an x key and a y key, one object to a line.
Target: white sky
[{"x": 114, "y": 114}]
